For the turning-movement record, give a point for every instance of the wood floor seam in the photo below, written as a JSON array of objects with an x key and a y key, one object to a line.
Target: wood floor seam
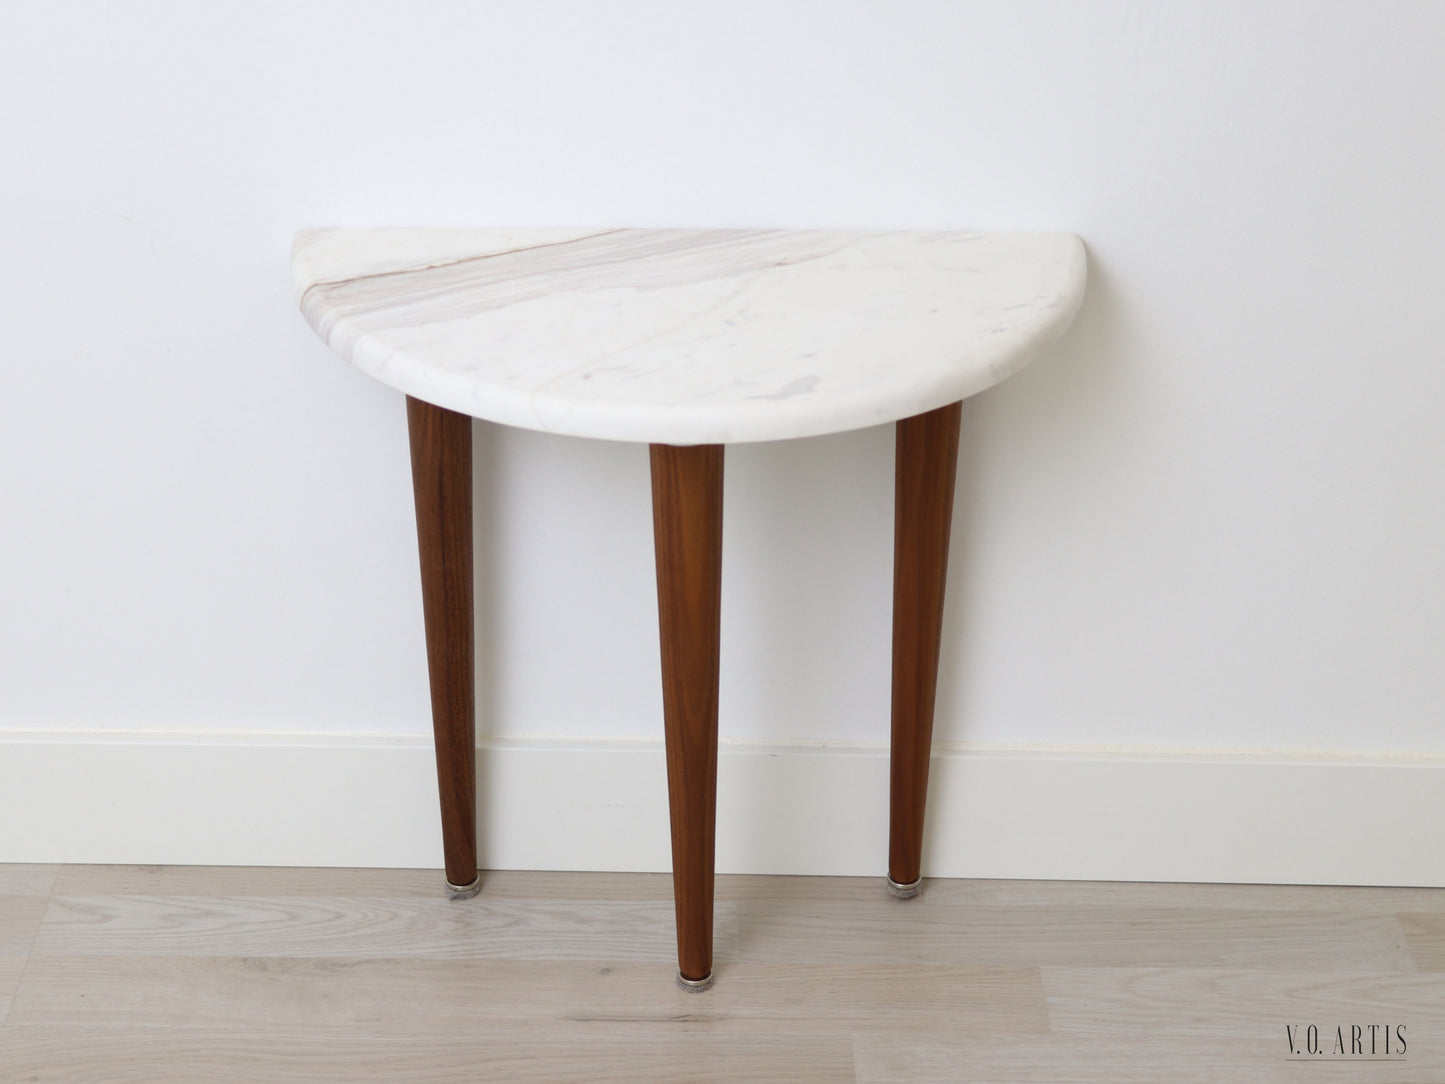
[{"x": 9, "y": 1002}]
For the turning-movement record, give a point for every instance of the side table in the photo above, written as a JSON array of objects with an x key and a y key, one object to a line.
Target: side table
[{"x": 687, "y": 340}]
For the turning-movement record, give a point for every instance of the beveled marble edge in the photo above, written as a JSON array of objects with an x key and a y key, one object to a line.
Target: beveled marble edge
[{"x": 688, "y": 337}]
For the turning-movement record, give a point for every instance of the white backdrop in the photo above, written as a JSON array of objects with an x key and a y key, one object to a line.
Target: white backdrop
[{"x": 1210, "y": 519}]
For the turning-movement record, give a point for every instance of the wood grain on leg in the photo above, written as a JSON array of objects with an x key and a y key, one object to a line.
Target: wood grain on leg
[
  {"x": 687, "y": 523},
  {"x": 925, "y": 468},
  {"x": 441, "y": 470}
]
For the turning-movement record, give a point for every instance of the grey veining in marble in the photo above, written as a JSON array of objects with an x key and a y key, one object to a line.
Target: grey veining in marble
[{"x": 687, "y": 336}]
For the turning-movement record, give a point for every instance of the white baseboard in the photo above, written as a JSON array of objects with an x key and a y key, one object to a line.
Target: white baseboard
[{"x": 1047, "y": 813}]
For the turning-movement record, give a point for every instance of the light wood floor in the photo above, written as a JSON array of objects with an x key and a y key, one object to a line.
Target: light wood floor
[{"x": 211, "y": 974}]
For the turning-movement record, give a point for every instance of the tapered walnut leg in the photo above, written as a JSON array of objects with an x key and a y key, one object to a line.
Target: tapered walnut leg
[
  {"x": 687, "y": 485},
  {"x": 441, "y": 471},
  {"x": 925, "y": 468}
]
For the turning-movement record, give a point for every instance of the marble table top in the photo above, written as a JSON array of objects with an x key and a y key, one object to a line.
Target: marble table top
[{"x": 687, "y": 336}]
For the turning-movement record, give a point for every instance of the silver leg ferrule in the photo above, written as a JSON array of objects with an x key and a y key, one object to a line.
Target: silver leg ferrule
[
  {"x": 464, "y": 892},
  {"x": 904, "y": 892},
  {"x": 694, "y": 986}
]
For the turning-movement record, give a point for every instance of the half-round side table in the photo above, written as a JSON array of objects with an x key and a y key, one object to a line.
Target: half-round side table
[{"x": 686, "y": 340}]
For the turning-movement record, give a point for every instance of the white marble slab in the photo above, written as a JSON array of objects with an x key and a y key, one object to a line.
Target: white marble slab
[{"x": 687, "y": 336}]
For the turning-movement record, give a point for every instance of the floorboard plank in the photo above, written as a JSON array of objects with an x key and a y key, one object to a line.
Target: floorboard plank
[
  {"x": 301, "y": 926},
  {"x": 27, "y": 880},
  {"x": 81, "y": 880},
  {"x": 824, "y": 930},
  {"x": 931, "y": 1057},
  {"x": 1239, "y": 1003},
  {"x": 1364, "y": 899},
  {"x": 545, "y": 1054},
  {"x": 448, "y": 996}
]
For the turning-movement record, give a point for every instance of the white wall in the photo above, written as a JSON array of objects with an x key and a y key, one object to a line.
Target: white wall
[{"x": 1211, "y": 518}]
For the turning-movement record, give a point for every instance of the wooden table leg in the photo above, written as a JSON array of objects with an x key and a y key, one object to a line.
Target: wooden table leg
[
  {"x": 924, "y": 473},
  {"x": 687, "y": 487},
  {"x": 441, "y": 471}
]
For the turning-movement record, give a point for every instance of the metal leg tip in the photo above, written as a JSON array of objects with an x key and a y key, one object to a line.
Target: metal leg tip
[
  {"x": 904, "y": 892},
  {"x": 694, "y": 986},
  {"x": 464, "y": 892}
]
